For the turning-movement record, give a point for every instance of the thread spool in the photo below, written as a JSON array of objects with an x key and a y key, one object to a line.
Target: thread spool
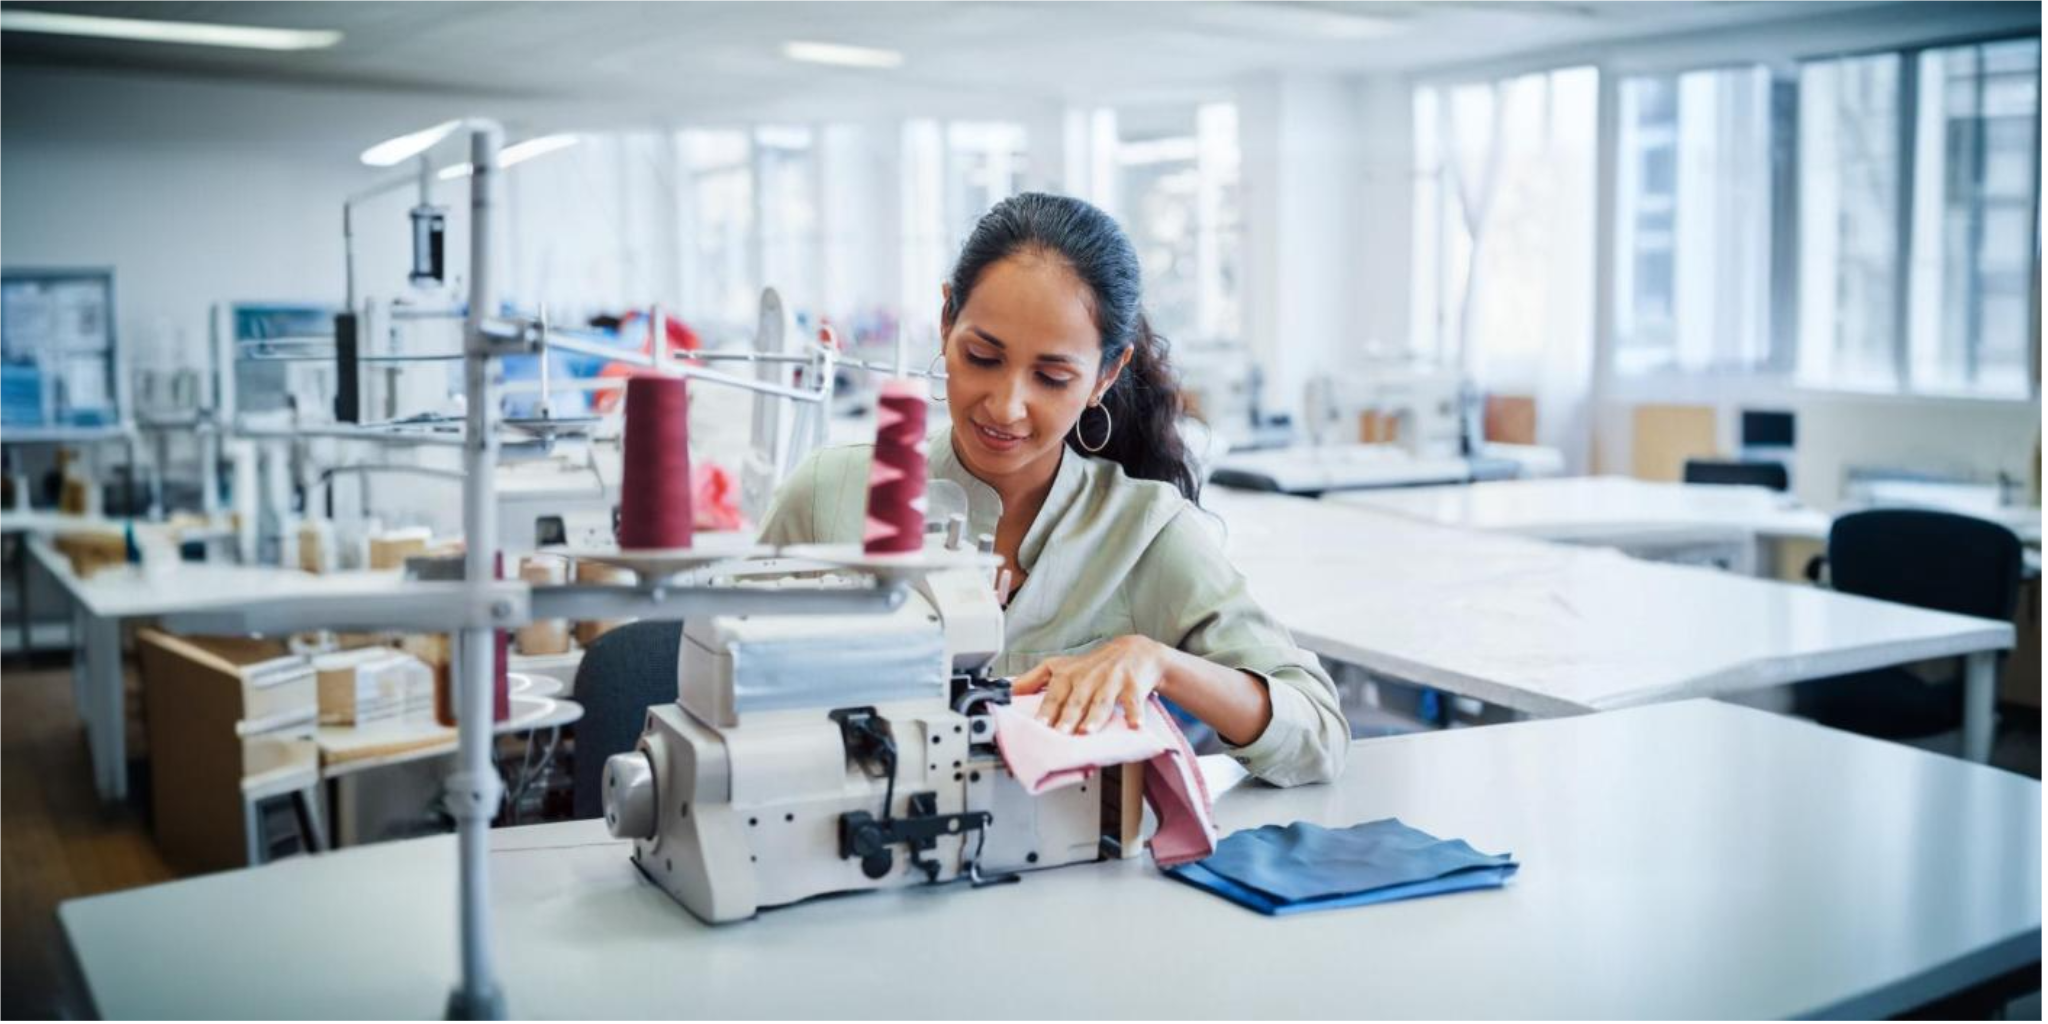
[
  {"x": 588, "y": 631},
  {"x": 896, "y": 480},
  {"x": 654, "y": 497},
  {"x": 316, "y": 546},
  {"x": 445, "y": 682},
  {"x": 450, "y": 674},
  {"x": 501, "y": 652},
  {"x": 544, "y": 636}
]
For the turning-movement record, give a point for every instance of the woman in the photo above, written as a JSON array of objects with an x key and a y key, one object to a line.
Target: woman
[{"x": 1063, "y": 435}]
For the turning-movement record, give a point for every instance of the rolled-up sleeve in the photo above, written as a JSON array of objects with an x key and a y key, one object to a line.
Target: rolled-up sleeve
[{"x": 1184, "y": 591}]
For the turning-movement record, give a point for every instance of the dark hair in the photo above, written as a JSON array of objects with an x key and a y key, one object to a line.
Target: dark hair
[{"x": 1145, "y": 402}]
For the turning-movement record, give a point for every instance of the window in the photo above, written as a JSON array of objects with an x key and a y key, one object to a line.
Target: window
[
  {"x": 1849, "y": 200},
  {"x": 718, "y": 245},
  {"x": 1503, "y": 244},
  {"x": 1919, "y": 220},
  {"x": 1176, "y": 181},
  {"x": 952, "y": 173},
  {"x": 1976, "y": 163},
  {"x": 791, "y": 252},
  {"x": 751, "y": 220},
  {"x": 1693, "y": 229},
  {"x": 986, "y": 165}
]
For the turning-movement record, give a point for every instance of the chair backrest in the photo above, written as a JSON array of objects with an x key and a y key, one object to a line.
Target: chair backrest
[
  {"x": 1938, "y": 560},
  {"x": 624, "y": 673},
  {"x": 1755, "y": 474}
]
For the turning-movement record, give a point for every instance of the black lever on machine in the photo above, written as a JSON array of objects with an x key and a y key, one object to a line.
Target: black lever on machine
[{"x": 868, "y": 838}]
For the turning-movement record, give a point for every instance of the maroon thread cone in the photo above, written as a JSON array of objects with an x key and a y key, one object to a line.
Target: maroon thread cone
[
  {"x": 654, "y": 497},
  {"x": 896, "y": 480},
  {"x": 501, "y": 648}
]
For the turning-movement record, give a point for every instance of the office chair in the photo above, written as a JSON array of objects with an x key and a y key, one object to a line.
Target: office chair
[
  {"x": 624, "y": 673},
  {"x": 1755, "y": 474}
]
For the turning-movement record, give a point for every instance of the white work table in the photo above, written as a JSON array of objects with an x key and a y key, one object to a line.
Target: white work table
[
  {"x": 348, "y": 750},
  {"x": 1314, "y": 470},
  {"x": 1632, "y": 514},
  {"x": 108, "y": 597},
  {"x": 44, "y": 521},
  {"x": 132, "y": 592},
  {"x": 47, "y": 521},
  {"x": 1981, "y": 500},
  {"x": 30, "y": 521},
  {"x": 1687, "y": 860},
  {"x": 1603, "y": 509},
  {"x": 1738, "y": 527},
  {"x": 1554, "y": 629}
]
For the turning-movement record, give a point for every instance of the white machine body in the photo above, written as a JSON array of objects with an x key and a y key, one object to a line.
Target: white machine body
[{"x": 765, "y": 783}]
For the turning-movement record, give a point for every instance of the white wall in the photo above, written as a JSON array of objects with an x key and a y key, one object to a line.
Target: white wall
[
  {"x": 1973, "y": 439},
  {"x": 186, "y": 227},
  {"x": 200, "y": 192},
  {"x": 182, "y": 229},
  {"x": 1969, "y": 438}
]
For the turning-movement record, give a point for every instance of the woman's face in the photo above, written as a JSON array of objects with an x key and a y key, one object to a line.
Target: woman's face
[{"x": 1021, "y": 364}]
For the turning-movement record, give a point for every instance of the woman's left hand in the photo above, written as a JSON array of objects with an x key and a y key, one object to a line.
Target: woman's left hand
[{"x": 1083, "y": 692}]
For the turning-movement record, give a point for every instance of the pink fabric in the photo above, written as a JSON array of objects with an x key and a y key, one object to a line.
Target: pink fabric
[
  {"x": 1179, "y": 799},
  {"x": 1043, "y": 758},
  {"x": 714, "y": 497}
]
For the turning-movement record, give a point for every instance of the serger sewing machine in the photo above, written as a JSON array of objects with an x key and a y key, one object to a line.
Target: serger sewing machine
[{"x": 819, "y": 754}]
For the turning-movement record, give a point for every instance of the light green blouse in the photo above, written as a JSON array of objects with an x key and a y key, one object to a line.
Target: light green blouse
[{"x": 1107, "y": 556}]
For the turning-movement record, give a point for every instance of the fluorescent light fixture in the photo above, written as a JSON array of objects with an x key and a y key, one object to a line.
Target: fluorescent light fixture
[
  {"x": 397, "y": 151},
  {"x": 520, "y": 152},
  {"x": 1314, "y": 22},
  {"x": 192, "y": 33},
  {"x": 516, "y": 153},
  {"x": 842, "y": 56}
]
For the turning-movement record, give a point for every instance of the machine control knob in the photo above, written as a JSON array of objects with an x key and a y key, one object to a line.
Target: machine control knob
[{"x": 629, "y": 799}]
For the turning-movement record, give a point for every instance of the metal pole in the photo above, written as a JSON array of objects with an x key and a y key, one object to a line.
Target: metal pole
[
  {"x": 348, "y": 252},
  {"x": 474, "y": 791},
  {"x": 546, "y": 401}
]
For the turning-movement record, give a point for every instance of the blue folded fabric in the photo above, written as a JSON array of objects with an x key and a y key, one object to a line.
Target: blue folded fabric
[
  {"x": 1289, "y": 869},
  {"x": 1475, "y": 878}
]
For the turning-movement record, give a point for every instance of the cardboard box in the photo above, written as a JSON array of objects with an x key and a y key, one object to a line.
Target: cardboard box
[
  {"x": 198, "y": 694},
  {"x": 1510, "y": 419},
  {"x": 392, "y": 549},
  {"x": 372, "y": 684},
  {"x": 316, "y": 546},
  {"x": 90, "y": 551},
  {"x": 1663, "y": 437},
  {"x": 280, "y": 742}
]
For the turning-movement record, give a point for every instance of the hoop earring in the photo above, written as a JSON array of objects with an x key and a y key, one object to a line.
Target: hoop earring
[
  {"x": 935, "y": 394},
  {"x": 1108, "y": 426}
]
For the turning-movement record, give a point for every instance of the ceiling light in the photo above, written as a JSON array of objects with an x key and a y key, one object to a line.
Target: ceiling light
[
  {"x": 517, "y": 153},
  {"x": 405, "y": 147},
  {"x": 190, "y": 32},
  {"x": 842, "y": 56}
]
